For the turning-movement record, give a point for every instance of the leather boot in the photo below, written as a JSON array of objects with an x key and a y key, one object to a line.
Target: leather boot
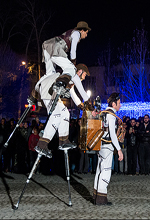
[
  {"x": 94, "y": 196},
  {"x": 101, "y": 199},
  {"x": 64, "y": 143},
  {"x": 42, "y": 147}
]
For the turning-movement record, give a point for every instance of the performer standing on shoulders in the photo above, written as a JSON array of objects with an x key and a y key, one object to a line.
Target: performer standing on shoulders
[
  {"x": 55, "y": 52},
  {"x": 103, "y": 172},
  {"x": 55, "y": 49}
]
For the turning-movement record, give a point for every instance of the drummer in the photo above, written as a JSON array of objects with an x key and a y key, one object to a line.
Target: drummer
[{"x": 103, "y": 172}]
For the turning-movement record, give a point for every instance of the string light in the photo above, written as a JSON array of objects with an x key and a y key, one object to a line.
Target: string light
[{"x": 131, "y": 109}]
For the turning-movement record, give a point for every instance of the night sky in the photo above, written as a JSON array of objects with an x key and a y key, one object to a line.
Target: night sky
[{"x": 113, "y": 20}]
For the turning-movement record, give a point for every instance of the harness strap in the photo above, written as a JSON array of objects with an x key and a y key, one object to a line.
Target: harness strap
[{"x": 112, "y": 113}]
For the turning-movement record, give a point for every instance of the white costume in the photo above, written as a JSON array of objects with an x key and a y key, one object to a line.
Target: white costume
[
  {"x": 59, "y": 119},
  {"x": 103, "y": 172},
  {"x": 54, "y": 52}
]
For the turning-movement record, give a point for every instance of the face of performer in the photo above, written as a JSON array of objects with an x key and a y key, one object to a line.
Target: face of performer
[
  {"x": 83, "y": 34},
  {"x": 81, "y": 74},
  {"x": 118, "y": 106}
]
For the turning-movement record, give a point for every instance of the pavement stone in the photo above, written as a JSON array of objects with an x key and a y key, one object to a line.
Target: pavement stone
[{"x": 46, "y": 197}]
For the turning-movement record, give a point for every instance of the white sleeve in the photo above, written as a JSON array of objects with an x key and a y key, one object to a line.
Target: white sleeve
[
  {"x": 79, "y": 86},
  {"x": 113, "y": 136},
  {"x": 75, "y": 39},
  {"x": 74, "y": 96}
]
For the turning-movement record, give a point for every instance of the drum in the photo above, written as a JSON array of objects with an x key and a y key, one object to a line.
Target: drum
[{"x": 89, "y": 128}]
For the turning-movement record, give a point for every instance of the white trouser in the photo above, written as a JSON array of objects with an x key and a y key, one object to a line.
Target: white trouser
[
  {"x": 50, "y": 70},
  {"x": 103, "y": 173},
  {"x": 59, "y": 119},
  {"x": 66, "y": 65}
]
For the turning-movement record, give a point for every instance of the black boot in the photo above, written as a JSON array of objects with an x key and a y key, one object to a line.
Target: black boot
[
  {"x": 65, "y": 143},
  {"x": 42, "y": 147},
  {"x": 101, "y": 199}
]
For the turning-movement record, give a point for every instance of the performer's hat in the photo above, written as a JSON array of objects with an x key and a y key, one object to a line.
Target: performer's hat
[
  {"x": 82, "y": 25},
  {"x": 82, "y": 66}
]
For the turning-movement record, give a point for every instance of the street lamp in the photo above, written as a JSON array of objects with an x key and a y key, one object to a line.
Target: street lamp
[
  {"x": 21, "y": 87},
  {"x": 23, "y": 63}
]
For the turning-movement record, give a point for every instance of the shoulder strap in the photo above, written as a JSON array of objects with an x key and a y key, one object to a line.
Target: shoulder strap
[{"x": 110, "y": 111}]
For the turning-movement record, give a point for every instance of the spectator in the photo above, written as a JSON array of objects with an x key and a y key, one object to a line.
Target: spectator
[
  {"x": 121, "y": 131},
  {"x": 31, "y": 127},
  {"x": 9, "y": 154},
  {"x": 40, "y": 127},
  {"x": 3, "y": 130},
  {"x": 137, "y": 123},
  {"x": 138, "y": 142},
  {"x": 33, "y": 140},
  {"x": 124, "y": 118},
  {"x": 127, "y": 120},
  {"x": 141, "y": 119},
  {"x": 84, "y": 162},
  {"x": 144, "y": 146},
  {"x": 132, "y": 147},
  {"x": 3, "y": 139},
  {"x": 73, "y": 137},
  {"x": 84, "y": 157},
  {"x": 115, "y": 163},
  {"x": 22, "y": 148},
  {"x": 93, "y": 161},
  {"x": 37, "y": 121}
]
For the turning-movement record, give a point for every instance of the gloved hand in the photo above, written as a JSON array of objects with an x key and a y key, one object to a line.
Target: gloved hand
[
  {"x": 88, "y": 105},
  {"x": 73, "y": 61},
  {"x": 81, "y": 106},
  {"x": 33, "y": 97}
]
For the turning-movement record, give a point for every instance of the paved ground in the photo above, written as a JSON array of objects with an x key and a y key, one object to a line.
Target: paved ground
[{"x": 46, "y": 197}]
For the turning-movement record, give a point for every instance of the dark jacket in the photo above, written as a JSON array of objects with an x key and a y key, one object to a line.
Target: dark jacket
[
  {"x": 132, "y": 138},
  {"x": 144, "y": 136}
]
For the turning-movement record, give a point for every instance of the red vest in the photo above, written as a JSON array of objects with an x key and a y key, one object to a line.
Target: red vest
[{"x": 66, "y": 36}]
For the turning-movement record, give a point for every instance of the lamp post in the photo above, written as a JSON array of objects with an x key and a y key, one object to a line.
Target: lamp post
[{"x": 20, "y": 94}]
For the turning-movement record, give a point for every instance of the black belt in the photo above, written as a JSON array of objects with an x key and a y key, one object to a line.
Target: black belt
[
  {"x": 107, "y": 139},
  {"x": 105, "y": 128}
]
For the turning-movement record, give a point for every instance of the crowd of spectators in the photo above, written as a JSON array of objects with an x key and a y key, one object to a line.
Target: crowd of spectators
[
  {"x": 134, "y": 140},
  {"x": 19, "y": 156}
]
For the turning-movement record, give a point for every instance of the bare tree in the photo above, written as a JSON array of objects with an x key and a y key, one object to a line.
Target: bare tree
[
  {"x": 10, "y": 81},
  {"x": 34, "y": 18},
  {"x": 106, "y": 59},
  {"x": 8, "y": 26}
]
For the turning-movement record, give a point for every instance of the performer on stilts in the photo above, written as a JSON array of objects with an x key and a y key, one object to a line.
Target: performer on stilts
[
  {"x": 103, "y": 171},
  {"x": 60, "y": 117}
]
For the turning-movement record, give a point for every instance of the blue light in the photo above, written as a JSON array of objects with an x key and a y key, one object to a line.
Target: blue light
[{"x": 131, "y": 109}]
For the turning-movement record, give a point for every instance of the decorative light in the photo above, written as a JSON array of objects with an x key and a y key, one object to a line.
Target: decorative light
[
  {"x": 89, "y": 93},
  {"x": 131, "y": 109}
]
